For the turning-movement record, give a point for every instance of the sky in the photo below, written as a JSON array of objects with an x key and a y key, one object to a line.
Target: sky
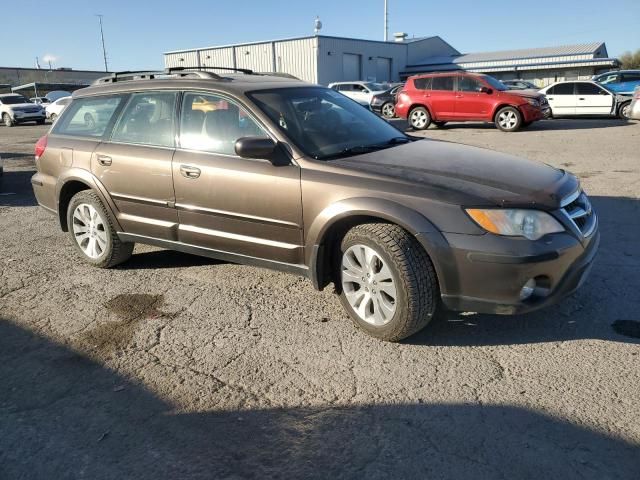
[{"x": 138, "y": 32}]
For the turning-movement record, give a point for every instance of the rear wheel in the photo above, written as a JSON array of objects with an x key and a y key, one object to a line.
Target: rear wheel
[
  {"x": 92, "y": 232},
  {"x": 624, "y": 112},
  {"x": 508, "y": 119},
  {"x": 419, "y": 118},
  {"x": 7, "y": 120},
  {"x": 388, "y": 283},
  {"x": 388, "y": 110},
  {"x": 53, "y": 117}
]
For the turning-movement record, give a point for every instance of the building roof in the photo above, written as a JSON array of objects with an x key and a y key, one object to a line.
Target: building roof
[{"x": 593, "y": 48}]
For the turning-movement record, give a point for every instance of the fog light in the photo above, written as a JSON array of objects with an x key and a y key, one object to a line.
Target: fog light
[{"x": 528, "y": 289}]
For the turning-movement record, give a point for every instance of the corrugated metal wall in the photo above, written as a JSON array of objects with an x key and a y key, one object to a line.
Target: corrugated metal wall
[
  {"x": 331, "y": 51},
  {"x": 181, "y": 59},
  {"x": 298, "y": 58},
  {"x": 217, "y": 57},
  {"x": 257, "y": 57}
]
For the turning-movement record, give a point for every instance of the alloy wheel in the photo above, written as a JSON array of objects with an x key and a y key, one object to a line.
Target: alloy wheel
[
  {"x": 89, "y": 230},
  {"x": 388, "y": 110},
  {"x": 368, "y": 285},
  {"x": 508, "y": 119},
  {"x": 418, "y": 119}
]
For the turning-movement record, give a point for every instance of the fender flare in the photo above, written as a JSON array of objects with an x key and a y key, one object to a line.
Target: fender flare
[
  {"x": 86, "y": 177},
  {"x": 414, "y": 222}
]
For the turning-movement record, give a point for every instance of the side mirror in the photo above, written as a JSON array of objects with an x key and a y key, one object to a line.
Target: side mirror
[
  {"x": 486, "y": 90},
  {"x": 261, "y": 148}
]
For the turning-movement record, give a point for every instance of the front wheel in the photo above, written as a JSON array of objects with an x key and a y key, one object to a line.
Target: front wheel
[
  {"x": 387, "y": 281},
  {"x": 624, "y": 112},
  {"x": 508, "y": 119},
  {"x": 419, "y": 118},
  {"x": 388, "y": 110},
  {"x": 53, "y": 117},
  {"x": 92, "y": 232}
]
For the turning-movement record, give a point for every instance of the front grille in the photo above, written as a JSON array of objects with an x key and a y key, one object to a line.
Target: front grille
[{"x": 577, "y": 208}]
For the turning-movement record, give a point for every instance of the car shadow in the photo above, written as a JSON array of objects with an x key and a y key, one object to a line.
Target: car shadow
[
  {"x": 166, "y": 259},
  {"x": 607, "y": 300},
  {"x": 16, "y": 190},
  {"x": 67, "y": 416}
]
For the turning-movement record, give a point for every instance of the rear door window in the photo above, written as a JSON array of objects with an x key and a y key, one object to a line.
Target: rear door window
[
  {"x": 563, "y": 89},
  {"x": 87, "y": 117},
  {"x": 422, "y": 83},
  {"x": 631, "y": 77},
  {"x": 442, "y": 83},
  {"x": 148, "y": 119}
]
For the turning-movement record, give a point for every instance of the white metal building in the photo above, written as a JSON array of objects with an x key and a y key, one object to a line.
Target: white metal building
[
  {"x": 324, "y": 59},
  {"x": 319, "y": 58}
]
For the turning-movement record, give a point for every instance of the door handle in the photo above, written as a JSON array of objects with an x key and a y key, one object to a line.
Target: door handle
[
  {"x": 188, "y": 171},
  {"x": 104, "y": 160}
]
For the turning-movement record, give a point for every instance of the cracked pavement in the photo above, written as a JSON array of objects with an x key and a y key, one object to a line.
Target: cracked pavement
[{"x": 176, "y": 366}]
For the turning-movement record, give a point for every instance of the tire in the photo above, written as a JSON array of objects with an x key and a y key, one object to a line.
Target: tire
[
  {"x": 108, "y": 250},
  {"x": 419, "y": 118},
  {"x": 410, "y": 295},
  {"x": 624, "y": 112},
  {"x": 439, "y": 124},
  {"x": 388, "y": 110},
  {"x": 7, "y": 120},
  {"x": 508, "y": 119},
  {"x": 53, "y": 117}
]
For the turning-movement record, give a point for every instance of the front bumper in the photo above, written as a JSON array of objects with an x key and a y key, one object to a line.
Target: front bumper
[
  {"x": 477, "y": 279},
  {"x": 28, "y": 117},
  {"x": 531, "y": 113}
]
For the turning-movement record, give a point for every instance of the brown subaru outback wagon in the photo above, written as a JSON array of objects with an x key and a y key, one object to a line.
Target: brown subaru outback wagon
[{"x": 274, "y": 172}]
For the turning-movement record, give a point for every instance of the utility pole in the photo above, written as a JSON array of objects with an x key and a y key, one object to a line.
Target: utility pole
[
  {"x": 386, "y": 20},
  {"x": 104, "y": 51}
]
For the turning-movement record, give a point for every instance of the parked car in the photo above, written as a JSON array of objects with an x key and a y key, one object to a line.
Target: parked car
[
  {"x": 361, "y": 92},
  {"x": 585, "y": 98},
  {"x": 56, "y": 94},
  {"x": 385, "y": 103},
  {"x": 621, "y": 82},
  {"x": 16, "y": 109},
  {"x": 461, "y": 97},
  {"x": 54, "y": 109},
  {"x": 44, "y": 101},
  {"x": 634, "y": 107},
  {"x": 1, "y": 166},
  {"x": 519, "y": 85},
  {"x": 297, "y": 177}
]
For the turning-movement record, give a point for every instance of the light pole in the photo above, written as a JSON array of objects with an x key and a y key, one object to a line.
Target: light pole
[
  {"x": 104, "y": 51},
  {"x": 386, "y": 20}
]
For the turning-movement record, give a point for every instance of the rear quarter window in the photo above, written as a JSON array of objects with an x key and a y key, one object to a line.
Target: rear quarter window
[
  {"x": 87, "y": 117},
  {"x": 422, "y": 83}
]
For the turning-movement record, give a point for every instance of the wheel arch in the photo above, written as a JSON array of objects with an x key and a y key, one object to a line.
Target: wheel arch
[
  {"x": 77, "y": 180},
  {"x": 330, "y": 226},
  {"x": 500, "y": 106},
  {"x": 416, "y": 105}
]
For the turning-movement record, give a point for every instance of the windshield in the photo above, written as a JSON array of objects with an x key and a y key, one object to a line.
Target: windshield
[
  {"x": 325, "y": 124},
  {"x": 13, "y": 100},
  {"x": 495, "y": 84}
]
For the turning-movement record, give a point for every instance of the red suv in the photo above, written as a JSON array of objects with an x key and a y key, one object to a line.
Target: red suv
[{"x": 461, "y": 97}]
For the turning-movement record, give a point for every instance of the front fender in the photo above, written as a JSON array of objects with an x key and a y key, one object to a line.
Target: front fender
[{"x": 415, "y": 223}]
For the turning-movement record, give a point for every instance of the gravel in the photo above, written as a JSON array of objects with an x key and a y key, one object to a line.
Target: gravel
[{"x": 176, "y": 366}]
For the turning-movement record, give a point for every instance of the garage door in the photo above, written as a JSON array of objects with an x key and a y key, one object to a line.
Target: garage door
[
  {"x": 383, "y": 69},
  {"x": 350, "y": 66}
]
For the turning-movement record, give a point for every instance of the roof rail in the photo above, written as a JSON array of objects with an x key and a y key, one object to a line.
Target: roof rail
[
  {"x": 241, "y": 70},
  {"x": 129, "y": 75}
]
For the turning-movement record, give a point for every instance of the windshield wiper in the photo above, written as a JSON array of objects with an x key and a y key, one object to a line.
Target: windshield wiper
[{"x": 360, "y": 149}]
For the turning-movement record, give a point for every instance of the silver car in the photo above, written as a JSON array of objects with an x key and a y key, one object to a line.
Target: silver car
[{"x": 634, "y": 108}]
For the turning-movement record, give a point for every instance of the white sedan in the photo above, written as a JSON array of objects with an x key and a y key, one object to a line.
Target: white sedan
[
  {"x": 584, "y": 97},
  {"x": 54, "y": 109}
]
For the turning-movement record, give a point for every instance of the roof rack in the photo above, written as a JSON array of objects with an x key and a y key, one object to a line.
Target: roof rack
[
  {"x": 246, "y": 71},
  {"x": 151, "y": 74}
]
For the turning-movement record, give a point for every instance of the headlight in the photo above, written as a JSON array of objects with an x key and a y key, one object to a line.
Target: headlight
[
  {"x": 531, "y": 224},
  {"x": 533, "y": 101}
]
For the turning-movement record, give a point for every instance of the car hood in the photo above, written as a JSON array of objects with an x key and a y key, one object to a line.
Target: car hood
[
  {"x": 467, "y": 175},
  {"x": 523, "y": 93}
]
